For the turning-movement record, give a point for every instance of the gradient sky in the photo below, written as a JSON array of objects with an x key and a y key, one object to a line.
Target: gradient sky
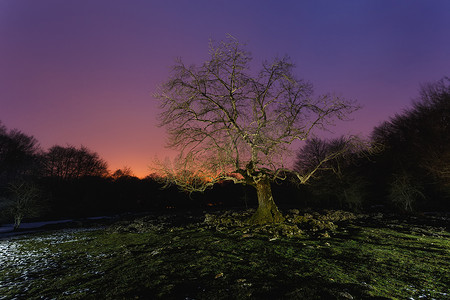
[{"x": 84, "y": 71}]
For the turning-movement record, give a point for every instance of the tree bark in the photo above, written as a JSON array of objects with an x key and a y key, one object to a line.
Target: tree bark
[{"x": 267, "y": 212}]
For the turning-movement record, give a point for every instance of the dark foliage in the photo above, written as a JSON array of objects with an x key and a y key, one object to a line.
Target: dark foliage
[
  {"x": 339, "y": 181},
  {"x": 19, "y": 156},
  {"x": 413, "y": 170},
  {"x": 70, "y": 163},
  {"x": 19, "y": 167}
]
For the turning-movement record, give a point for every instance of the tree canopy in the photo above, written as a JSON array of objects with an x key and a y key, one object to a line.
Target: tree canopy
[
  {"x": 231, "y": 123},
  {"x": 19, "y": 155},
  {"x": 417, "y": 147},
  {"x": 70, "y": 163}
]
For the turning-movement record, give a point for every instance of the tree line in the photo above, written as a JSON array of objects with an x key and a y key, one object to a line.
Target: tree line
[
  {"x": 64, "y": 181},
  {"x": 234, "y": 130},
  {"x": 408, "y": 169},
  {"x": 74, "y": 182}
]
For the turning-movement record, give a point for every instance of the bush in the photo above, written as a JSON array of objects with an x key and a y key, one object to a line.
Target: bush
[
  {"x": 22, "y": 202},
  {"x": 404, "y": 192}
]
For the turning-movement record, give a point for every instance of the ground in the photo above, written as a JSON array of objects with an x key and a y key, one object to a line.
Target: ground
[{"x": 332, "y": 255}]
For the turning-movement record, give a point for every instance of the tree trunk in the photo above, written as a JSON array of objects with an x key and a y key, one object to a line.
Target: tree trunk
[
  {"x": 17, "y": 221},
  {"x": 267, "y": 211}
]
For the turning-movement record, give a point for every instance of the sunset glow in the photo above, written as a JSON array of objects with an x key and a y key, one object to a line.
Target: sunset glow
[{"x": 84, "y": 72}]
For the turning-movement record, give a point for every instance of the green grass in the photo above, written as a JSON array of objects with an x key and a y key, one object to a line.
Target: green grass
[{"x": 362, "y": 259}]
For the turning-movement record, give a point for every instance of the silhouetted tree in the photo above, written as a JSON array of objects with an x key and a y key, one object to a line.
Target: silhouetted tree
[
  {"x": 19, "y": 156},
  {"x": 123, "y": 172},
  {"x": 335, "y": 161},
  {"x": 230, "y": 124},
  {"x": 403, "y": 191},
  {"x": 71, "y": 163},
  {"x": 21, "y": 202},
  {"x": 434, "y": 111},
  {"x": 20, "y": 166},
  {"x": 417, "y": 149},
  {"x": 323, "y": 154}
]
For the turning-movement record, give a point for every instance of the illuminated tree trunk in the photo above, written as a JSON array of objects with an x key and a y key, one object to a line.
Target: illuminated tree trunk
[
  {"x": 17, "y": 221},
  {"x": 267, "y": 211}
]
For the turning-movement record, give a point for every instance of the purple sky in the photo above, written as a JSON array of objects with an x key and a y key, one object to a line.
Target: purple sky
[{"x": 83, "y": 71}]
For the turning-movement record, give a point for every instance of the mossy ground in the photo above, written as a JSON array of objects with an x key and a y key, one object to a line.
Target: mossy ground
[{"x": 361, "y": 259}]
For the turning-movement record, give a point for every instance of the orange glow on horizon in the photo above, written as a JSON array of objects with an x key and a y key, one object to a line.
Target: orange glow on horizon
[{"x": 83, "y": 72}]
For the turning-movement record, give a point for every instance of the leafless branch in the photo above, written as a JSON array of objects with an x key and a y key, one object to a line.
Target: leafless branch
[{"x": 230, "y": 120}]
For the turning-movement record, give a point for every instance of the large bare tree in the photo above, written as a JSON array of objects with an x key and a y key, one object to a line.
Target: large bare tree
[{"x": 232, "y": 124}]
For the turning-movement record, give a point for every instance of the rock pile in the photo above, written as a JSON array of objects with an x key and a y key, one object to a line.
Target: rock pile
[{"x": 295, "y": 225}]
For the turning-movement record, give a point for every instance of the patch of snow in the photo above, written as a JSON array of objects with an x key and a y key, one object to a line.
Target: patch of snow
[
  {"x": 30, "y": 225},
  {"x": 21, "y": 265}
]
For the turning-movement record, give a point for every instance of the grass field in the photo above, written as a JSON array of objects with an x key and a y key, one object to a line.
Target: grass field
[{"x": 155, "y": 257}]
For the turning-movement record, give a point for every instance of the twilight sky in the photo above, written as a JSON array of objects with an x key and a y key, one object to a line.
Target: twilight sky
[{"x": 82, "y": 72}]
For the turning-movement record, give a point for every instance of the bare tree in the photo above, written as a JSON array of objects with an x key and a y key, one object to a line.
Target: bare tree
[
  {"x": 435, "y": 108},
  {"x": 403, "y": 191},
  {"x": 416, "y": 157},
  {"x": 22, "y": 202},
  {"x": 332, "y": 155},
  {"x": 70, "y": 163},
  {"x": 19, "y": 155},
  {"x": 230, "y": 124},
  {"x": 124, "y": 172},
  {"x": 334, "y": 164},
  {"x": 318, "y": 154}
]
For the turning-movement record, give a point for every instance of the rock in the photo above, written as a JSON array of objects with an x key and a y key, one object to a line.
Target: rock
[
  {"x": 209, "y": 218},
  {"x": 294, "y": 211},
  {"x": 344, "y": 295},
  {"x": 378, "y": 216},
  {"x": 155, "y": 252}
]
